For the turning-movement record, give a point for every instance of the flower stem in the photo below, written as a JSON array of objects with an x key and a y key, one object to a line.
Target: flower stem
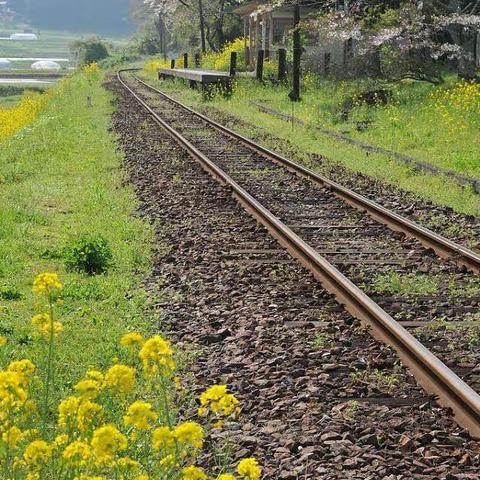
[{"x": 50, "y": 372}]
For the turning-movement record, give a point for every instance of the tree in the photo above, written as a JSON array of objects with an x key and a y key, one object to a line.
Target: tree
[
  {"x": 414, "y": 33},
  {"x": 193, "y": 22}
]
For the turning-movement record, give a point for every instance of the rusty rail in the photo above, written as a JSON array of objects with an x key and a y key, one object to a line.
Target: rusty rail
[
  {"x": 444, "y": 247},
  {"x": 434, "y": 376}
]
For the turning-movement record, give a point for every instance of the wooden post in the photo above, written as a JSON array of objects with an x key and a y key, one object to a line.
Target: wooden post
[
  {"x": 198, "y": 60},
  {"x": 202, "y": 26},
  {"x": 282, "y": 64},
  {"x": 297, "y": 53},
  {"x": 185, "y": 60},
  {"x": 172, "y": 63},
  {"x": 233, "y": 64},
  {"x": 260, "y": 57}
]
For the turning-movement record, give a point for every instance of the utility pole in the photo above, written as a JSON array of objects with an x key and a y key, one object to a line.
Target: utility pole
[
  {"x": 202, "y": 26},
  {"x": 297, "y": 53}
]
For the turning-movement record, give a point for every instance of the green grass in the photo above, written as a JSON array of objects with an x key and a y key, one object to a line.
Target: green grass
[
  {"x": 304, "y": 140},
  {"x": 60, "y": 178}
]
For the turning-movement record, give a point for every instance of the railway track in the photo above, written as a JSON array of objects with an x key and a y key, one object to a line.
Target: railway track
[{"x": 346, "y": 241}]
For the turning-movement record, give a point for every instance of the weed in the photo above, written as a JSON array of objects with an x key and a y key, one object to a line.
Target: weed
[
  {"x": 406, "y": 285},
  {"x": 90, "y": 254},
  {"x": 321, "y": 340},
  {"x": 377, "y": 379},
  {"x": 10, "y": 293}
]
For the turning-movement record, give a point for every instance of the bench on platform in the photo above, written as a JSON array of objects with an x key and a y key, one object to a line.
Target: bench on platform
[{"x": 205, "y": 78}]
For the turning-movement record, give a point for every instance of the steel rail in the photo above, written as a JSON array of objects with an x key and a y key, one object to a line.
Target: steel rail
[
  {"x": 432, "y": 374},
  {"x": 443, "y": 247}
]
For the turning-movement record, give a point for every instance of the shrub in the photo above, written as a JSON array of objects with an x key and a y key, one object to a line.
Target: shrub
[
  {"x": 89, "y": 254},
  {"x": 90, "y": 51}
]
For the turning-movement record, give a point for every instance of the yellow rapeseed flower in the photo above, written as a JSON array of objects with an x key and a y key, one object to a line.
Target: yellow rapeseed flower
[
  {"x": 120, "y": 378},
  {"x": 249, "y": 469},
  {"x": 225, "y": 476},
  {"x": 77, "y": 454},
  {"x": 87, "y": 413},
  {"x": 3, "y": 341},
  {"x": 193, "y": 473},
  {"x": 189, "y": 434},
  {"x": 132, "y": 341},
  {"x": 67, "y": 412},
  {"x": 37, "y": 454},
  {"x": 163, "y": 439},
  {"x": 13, "y": 436},
  {"x": 219, "y": 401},
  {"x": 44, "y": 325},
  {"x": 91, "y": 385},
  {"x": 128, "y": 464},
  {"x": 106, "y": 443},
  {"x": 140, "y": 415},
  {"x": 156, "y": 355},
  {"x": 46, "y": 283}
]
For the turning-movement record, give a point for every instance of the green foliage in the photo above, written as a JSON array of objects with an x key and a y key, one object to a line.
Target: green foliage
[
  {"x": 405, "y": 285},
  {"x": 89, "y": 254},
  {"x": 8, "y": 292},
  {"x": 89, "y": 51},
  {"x": 65, "y": 169}
]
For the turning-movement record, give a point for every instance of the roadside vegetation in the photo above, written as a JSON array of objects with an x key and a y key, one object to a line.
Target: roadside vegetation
[
  {"x": 437, "y": 124},
  {"x": 88, "y": 389}
]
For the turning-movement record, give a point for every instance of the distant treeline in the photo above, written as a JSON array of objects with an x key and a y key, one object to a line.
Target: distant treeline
[{"x": 102, "y": 16}]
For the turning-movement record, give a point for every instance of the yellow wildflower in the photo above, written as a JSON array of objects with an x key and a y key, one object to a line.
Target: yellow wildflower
[
  {"x": 88, "y": 389},
  {"x": 106, "y": 442},
  {"x": 44, "y": 325},
  {"x": 156, "y": 356},
  {"x": 24, "y": 368},
  {"x": 189, "y": 433},
  {"x": 87, "y": 412},
  {"x": 249, "y": 469},
  {"x": 219, "y": 401},
  {"x": 139, "y": 415},
  {"x": 142, "y": 477},
  {"x": 226, "y": 476},
  {"x": 77, "y": 453},
  {"x": 67, "y": 412},
  {"x": 121, "y": 378},
  {"x": 12, "y": 393},
  {"x": 13, "y": 436},
  {"x": 193, "y": 473},
  {"x": 167, "y": 462},
  {"x": 126, "y": 463},
  {"x": 61, "y": 440},
  {"x": 37, "y": 454},
  {"x": 163, "y": 439},
  {"x": 46, "y": 282},
  {"x": 132, "y": 341},
  {"x": 3, "y": 341}
]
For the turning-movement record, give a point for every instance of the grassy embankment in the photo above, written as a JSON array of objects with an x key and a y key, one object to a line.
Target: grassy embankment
[
  {"x": 60, "y": 178},
  {"x": 435, "y": 124}
]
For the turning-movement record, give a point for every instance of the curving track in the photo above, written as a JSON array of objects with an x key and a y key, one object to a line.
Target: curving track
[{"x": 344, "y": 239}]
